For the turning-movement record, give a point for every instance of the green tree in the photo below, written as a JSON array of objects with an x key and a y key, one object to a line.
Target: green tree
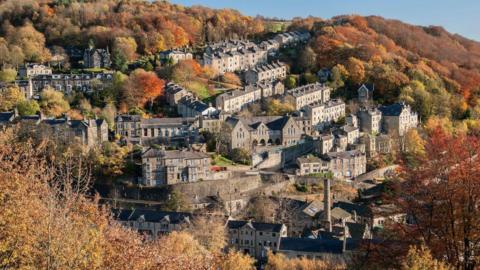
[
  {"x": 242, "y": 156},
  {"x": 175, "y": 202},
  {"x": 290, "y": 82},
  {"x": 28, "y": 107},
  {"x": 8, "y": 75}
]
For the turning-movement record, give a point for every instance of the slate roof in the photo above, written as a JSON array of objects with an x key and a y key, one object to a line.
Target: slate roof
[
  {"x": 344, "y": 154},
  {"x": 259, "y": 226},
  {"x": 278, "y": 124},
  {"x": 316, "y": 245},
  {"x": 361, "y": 210},
  {"x": 151, "y": 215},
  {"x": 309, "y": 159},
  {"x": 173, "y": 154},
  {"x": 392, "y": 110},
  {"x": 128, "y": 118},
  {"x": 6, "y": 116}
]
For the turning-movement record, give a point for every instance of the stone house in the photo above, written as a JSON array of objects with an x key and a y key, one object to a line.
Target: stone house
[
  {"x": 352, "y": 133},
  {"x": 165, "y": 130},
  {"x": 291, "y": 38},
  {"x": 174, "y": 93},
  {"x": 370, "y": 120},
  {"x": 175, "y": 55},
  {"x": 338, "y": 250},
  {"x": 234, "y": 55},
  {"x": 189, "y": 106},
  {"x": 398, "y": 118},
  {"x": 365, "y": 92},
  {"x": 71, "y": 82},
  {"x": 151, "y": 222},
  {"x": 128, "y": 127},
  {"x": 347, "y": 164},
  {"x": 310, "y": 165},
  {"x": 162, "y": 167},
  {"x": 326, "y": 143},
  {"x": 33, "y": 69},
  {"x": 271, "y": 46},
  {"x": 96, "y": 58},
  {"x": 255, "y": 238},
  {"x": 263, "y": 131},
  {"x": 266, "y": 72},
  {"x": 377, "y": 144},
  {"x": 309, "y": 94}
]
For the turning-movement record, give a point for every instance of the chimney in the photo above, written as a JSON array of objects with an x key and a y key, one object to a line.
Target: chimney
[
  {"x": 327, "y": 204},
  {"x": 344, "y": 244}
]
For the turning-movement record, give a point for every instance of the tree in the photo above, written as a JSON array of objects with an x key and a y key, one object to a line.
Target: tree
[
  {"x": 186, "y": 71},
  {"x": 8, "y": 75},
  {"x": 231, "y": 78},
  {"x": 31, "y": 42},
  {"x": 175, "y": 202},
  {"x": 414, "y": 144},
  {"x": 421, "y": 259},
  {"x": 142, "y": 87},
  {"x": 237, "y": 261},
  {"x": 215, "y": 238},
  {"x": 242, "y": 156},
  {"x": 442, "y": 195},
  {"x": 280, "y": 262},
  {"x": 53, "y": 103},
  {"x": 125, "y": 46},
  {"x": 290, "y": 82},
  {"x": 28, "y": 107},
  {"x": 10, "y": 97},
  {"x": 108, "y": 113},
  {"x": 307, "y": 59},
  {"x": 356, "y": 70},
  {"x": 110, "y": 159}
]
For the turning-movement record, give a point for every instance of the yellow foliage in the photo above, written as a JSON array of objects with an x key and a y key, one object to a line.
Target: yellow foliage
[{"x": 421, "y": 259}]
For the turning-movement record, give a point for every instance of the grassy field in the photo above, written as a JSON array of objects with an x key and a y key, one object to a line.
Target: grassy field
[{"x": 223, "y": 161}]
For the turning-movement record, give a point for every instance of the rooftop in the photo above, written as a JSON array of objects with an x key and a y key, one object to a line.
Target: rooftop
[{"x": 258, "y": 226}]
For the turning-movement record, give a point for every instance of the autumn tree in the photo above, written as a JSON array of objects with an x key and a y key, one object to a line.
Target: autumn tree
[
  {"x": 125, "y": 46},
  {"x": 31, "y": 42},
  {"x": 53, "y": 102},
  {"x": 442, "y": 195},
  {"x": 356, "y": 70},
  {"x": 8, "y": 75},
  {"x": 215, "y": 238},
  {"x": 28, "y": 107},
  {"x": 421, "y": 259},
  {"x": 10, "y": 97},
  {"x": 142, "y": 87}
]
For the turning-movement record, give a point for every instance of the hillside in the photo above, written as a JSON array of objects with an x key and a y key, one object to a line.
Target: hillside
[{"x": 435, "y": 71}]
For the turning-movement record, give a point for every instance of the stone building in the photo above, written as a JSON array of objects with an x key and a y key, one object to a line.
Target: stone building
[
  {"x": 33, "y": 69},
  {"x": 166, "y": 130},
  {"x": 398, "y": 118},
  {"x": 96, "y": 58},
  {"x": 377, "y": 144},
  {"x": 263, "y": 131},
  {"x": 309, "y": 94},
  {"x": 347, "y": 164},
  {"x": 323, "y": 114},
  {"x": 151, "y": 222},
  {"x": 236, "y": 100},
  {"x": 162, "y": 167},
  {"x": 176, "y": 55},
  {"x": 370, "y": 120},
  {"x": 291, "y": 38},
  {"x": 88, "y": 132},
  {"x": 68, "y": 83},
  {"x": 310, "y": 165},
  {"x": 365, "y": 92},
  {"x": 266, "y": 72},
  {"x": 128, "y": 127},
  {"x": 255, "y": 238},
  {"x": 189, "y": 106},
  {"x": 271, "y": 46},
  {"x": 233, "y": 55},
  {"x": 174, "y": 93}
]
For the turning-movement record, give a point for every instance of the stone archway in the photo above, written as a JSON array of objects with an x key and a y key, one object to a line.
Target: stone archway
[{"x": 262, "y": 142}]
